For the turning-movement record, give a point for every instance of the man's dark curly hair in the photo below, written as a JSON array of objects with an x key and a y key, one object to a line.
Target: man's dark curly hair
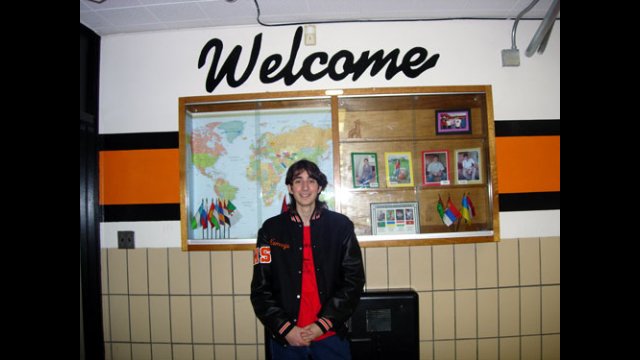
[{"x": 314, "y": 172}]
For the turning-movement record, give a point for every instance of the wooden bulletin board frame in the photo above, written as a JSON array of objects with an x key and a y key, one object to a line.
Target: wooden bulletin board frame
[{"x": 379, "y": 120}]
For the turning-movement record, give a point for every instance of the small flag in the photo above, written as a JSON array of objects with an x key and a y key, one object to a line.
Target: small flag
[
  {"x": 440, "y": 207},
  {"x": 466, "y": 214},
  {"x": 212, "y": 216},
  {"x": 471, "y": 207},
  {"x": 453, "y": 208},
  {"x": 231, "y": 207},
  {"x": 225, "y": 212},
  {"x": 449, "y": 218},
  {"x": 445, "y": 219},
  {"x": 451, "y": 214},
  {"x": 285, "y": 208},
  {"x": 220, "y": 212},
  {"x": 194, "y": 222},
  {"x": 203, "y": 216}
]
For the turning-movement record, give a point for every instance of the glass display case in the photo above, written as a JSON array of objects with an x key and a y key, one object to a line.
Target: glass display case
[{"x": 408, "y": 166}]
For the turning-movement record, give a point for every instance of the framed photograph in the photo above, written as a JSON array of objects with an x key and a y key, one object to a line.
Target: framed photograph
[
  {"x": 364, "y": 167},
  {"x": 399, "y": 169},
  {"x": 469, "y": 166},
  {"x": 453, "y": 122},
  {"x": 435, "y": 167},
  {"x": 395, "y": 218}
]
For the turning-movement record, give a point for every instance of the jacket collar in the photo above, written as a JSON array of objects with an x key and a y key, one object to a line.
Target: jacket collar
[{"x": 295, "y": 217}]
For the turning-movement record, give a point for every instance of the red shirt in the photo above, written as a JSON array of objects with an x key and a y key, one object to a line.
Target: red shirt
[{"x": 309, "y": 300}]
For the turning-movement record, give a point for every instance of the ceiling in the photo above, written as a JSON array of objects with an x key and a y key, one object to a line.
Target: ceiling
[{"x": 128, "y": 16}]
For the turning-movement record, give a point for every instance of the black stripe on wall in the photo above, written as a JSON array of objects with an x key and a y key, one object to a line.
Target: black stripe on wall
[
  {"x": 530, "y": 201},
  {"x": 140, "y": 141},
  {"x": 169, "y": 140},
  {"x": 527, "y": 127},
  {"x": 171, "y": 212},
  {"x": 144, "y": 212}
]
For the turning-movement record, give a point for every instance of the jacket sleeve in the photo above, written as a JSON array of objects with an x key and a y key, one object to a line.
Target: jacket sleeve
[
  {"x": 265, "y": 304},
  {"x": 342, "y": 305}
]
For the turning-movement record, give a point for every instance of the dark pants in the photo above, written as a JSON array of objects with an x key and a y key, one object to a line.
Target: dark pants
[{"x": 330, "y": 348}]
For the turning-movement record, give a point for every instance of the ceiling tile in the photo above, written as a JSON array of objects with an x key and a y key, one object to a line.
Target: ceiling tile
[
  {"x": 229, "y": 11},
  {"x": 178, "y": 12},
  {"x": 111, "y": 4},
  {"x": 116, "y": 16},
  {"x": 93, "y": 20},
  {"x": 132, "y": 16}
]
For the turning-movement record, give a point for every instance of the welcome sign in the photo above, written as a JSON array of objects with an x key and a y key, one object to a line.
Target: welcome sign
[{"x": 338, "y": 66}]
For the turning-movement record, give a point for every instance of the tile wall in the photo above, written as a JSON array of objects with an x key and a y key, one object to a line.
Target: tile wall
[{"x": 477, "y": 301}]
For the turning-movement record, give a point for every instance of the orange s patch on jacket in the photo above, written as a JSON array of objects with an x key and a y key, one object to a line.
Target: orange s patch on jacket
[{"x": 262, "y": 255}]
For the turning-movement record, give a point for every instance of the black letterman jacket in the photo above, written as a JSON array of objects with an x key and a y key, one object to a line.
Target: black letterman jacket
[{"x": 277, "y": 271}]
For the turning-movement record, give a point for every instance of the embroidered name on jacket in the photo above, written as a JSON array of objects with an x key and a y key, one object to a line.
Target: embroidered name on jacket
[
  {"x": 279, "y": 244},
  {"x": 262, "y": 255}
]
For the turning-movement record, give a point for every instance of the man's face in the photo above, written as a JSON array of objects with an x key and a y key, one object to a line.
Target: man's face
[{"x": 305, "y": 189}]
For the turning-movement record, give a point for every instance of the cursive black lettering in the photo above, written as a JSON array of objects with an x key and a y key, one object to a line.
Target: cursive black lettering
[
  {"x": 377, "y": 62},
  {"x": 338, "y": 67},
  {"x": 269, "y": 65},
  {"x": 347, "y": 66},
  {"x": 421, "y": 53},
  {"x": 322, "y": 57},
  {"x": 228, "y": 70}
]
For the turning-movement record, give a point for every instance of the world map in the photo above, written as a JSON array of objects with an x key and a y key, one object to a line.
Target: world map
[{"x": 243, "y": 157}]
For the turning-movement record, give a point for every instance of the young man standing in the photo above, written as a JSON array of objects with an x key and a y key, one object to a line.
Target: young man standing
[{"x": 308, "y": 274}]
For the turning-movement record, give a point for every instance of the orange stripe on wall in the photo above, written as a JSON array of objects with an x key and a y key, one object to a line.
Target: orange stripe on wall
[
  {"x": 525, "y": 164},
  {"x": 139, "y": 177},
  {"x": 528, "y": 164}
]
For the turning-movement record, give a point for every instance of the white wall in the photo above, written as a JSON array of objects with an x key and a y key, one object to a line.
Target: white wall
[{"x": 142, "y": 76}]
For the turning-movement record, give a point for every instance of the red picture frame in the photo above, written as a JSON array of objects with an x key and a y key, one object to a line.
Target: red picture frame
[{"x": 434, "y": 174}]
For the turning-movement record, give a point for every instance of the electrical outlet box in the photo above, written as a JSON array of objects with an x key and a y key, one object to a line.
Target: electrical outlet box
[
  {"x": 126, "y": 240},
  {"x": 510, "y": 57},
  {"x": 309, "y": 34}
]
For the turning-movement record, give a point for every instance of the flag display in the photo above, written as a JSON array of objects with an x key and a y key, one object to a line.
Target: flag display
[
  {"x": 450, "y": 214},
  {"x": 218, "y": 217}
]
